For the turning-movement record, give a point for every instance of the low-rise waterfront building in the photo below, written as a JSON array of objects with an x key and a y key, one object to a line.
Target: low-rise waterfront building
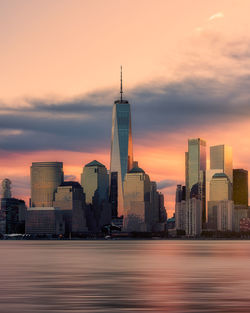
[{"x": 44, "y": 221}]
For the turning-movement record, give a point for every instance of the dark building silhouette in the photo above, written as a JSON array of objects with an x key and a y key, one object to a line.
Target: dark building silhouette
[
  {"x": 70, "y": 199},
  {"x": 12, "y": 216},
  {"x": 114, "y": 193},
  {"x": 240, "y": 187},
  {"x": 43, "y": 221},
  {"x": 180, "y": 193}
]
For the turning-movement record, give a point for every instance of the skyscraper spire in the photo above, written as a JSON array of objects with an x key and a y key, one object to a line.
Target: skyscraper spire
[
  {"x": 121, "y": 92},
  {"x": 121, "y": 160}
]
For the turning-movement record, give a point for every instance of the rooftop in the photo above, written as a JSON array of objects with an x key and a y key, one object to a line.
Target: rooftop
[
  {"x": 70, "y": 183},
  {"x": 137, "y": 170},
  {"x": 94, "y": 163},
  {"x": 42, "y": 208},
  {"x": 220, "y": 175}
]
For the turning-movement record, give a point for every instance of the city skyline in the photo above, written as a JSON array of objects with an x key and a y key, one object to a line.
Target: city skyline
[{"x": 58, "y": 106}]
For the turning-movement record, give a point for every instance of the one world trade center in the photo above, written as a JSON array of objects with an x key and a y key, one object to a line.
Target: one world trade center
[{"x": 121, "y": 160}]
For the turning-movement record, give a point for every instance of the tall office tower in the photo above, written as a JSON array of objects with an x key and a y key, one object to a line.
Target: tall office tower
[
  {"x": 163, "y": 213},
  {"x": 193, "y": 217},
  {"x": 95, "y": 182},
  {"x": 221, "y": 158},
  {"x": 220, "y": 206},
  {"x": 240, "y": 187},
  {"x": 220, "y": 187},
  {"x": 178, "y": 194},
  {"x": 6, "y": 188},
  {"x": 158, "y": 214},
  {"x": 45, "y": 178},
  {"x": 113, "y": 193},
  {"x": 70, "y": 199},
  {"x": 155, "y": 203},
  {"x": 196, "y": 171},
  {"x": 221, "y": 161},
  {"x": 137, "y": 206},
  {"x": 121, "y": 145},
  {"x": 180, "y": 207}
]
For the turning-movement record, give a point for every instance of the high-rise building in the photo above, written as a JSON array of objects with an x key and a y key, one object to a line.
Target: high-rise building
[
  {"x": 180, "y": 207},
  {"x": 6, "y": 188},
  {"x": 113, "y": 194},
  {"x": 221, "y": 158},
  {"x": 240, "y": 187},
  {"x": 220, "y": 205},
  {"x": 220, "y": 188},
  {"x": 163, "y": 213},
  {"x": 137, "y": 205},
  {"x": 157, "y": 209},
  {"x": 195, "y": 172},
  {"x": 45, "y": 178},
  {"x": 209, "y": 175},
  {"x": 221, "y": 161},
  {"x": 121, "y": 145},
  {"x": 193, "y": 217},
  {"x": 70, "y": 199},
  {"x": 155, "y": 205},
  {"x": 95, "y": 182}
]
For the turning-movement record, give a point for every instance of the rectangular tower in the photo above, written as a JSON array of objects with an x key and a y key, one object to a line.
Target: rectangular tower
[
  {"x": 196, "y": 171},
  {"x": 240, "y": 187},
  {"x": 121, "y": 145},
  {"x": 221, "y": 158},
  {"x": 221, "y": 161}
]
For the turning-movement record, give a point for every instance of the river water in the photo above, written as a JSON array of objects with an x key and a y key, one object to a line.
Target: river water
[{"x": 125, "y": 276}]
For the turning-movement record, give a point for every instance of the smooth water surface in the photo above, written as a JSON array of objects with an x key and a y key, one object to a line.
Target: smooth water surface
[{"x": 125, "y": 276}]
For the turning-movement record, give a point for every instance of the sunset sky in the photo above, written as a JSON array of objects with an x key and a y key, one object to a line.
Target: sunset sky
[{"x": 186, "y": 74}]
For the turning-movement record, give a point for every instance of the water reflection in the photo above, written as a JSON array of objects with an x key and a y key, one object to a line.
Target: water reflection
[{"x": 125, "y": 276}]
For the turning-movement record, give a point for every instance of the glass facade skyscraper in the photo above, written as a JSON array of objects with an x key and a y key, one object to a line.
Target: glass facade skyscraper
[
  {"x": 121, "y": 146},
  {"x": 196, "y": 171}
]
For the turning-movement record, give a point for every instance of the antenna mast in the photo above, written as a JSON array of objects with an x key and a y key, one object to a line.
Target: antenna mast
[{"x": 121, "y": 92}]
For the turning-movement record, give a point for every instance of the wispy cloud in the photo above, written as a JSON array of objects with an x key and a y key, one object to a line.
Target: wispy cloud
[
  {"x": 216, "y": 15},
  {"x": 83, "y": 123},
  {"x": 169, "y": 107}
]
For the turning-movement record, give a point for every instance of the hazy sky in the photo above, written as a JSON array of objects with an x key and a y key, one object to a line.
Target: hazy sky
[{"x": 186, "y": 74}]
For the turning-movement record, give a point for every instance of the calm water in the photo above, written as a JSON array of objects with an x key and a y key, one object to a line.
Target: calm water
[{"x": 125, "y": 276}]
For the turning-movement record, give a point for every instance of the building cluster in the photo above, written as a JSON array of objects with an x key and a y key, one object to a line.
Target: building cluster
[
  {"x": 213, "y": 199},
  {"x": 123, "y": 197}
]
